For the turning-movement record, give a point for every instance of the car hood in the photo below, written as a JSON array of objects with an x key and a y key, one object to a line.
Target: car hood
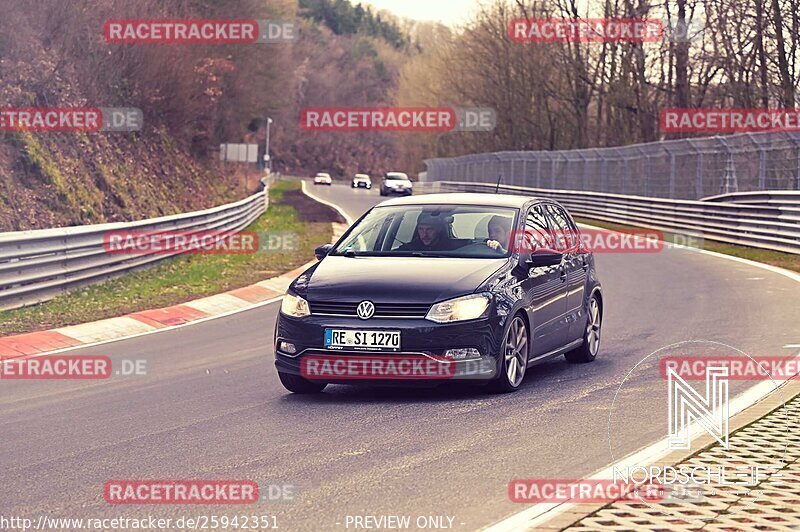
[
  {"x": 396, "y": 279},
  {"x": 395, "y": 182}
]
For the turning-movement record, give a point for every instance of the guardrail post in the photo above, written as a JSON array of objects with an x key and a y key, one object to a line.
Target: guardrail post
[
  {"x": 730, "y": 182},
  {"x": 585, "y": 173},
  {"x": 797, "y": 174},
  {"x": 672, "y": 175},
  {"x": 525, "y": 171},
  {"x": 538, "y": 172},
  {"x": 698, "y": 185},
  {"x": 604, "y": 176},
  {"x": 626, "y": 170},
  {"x": 796, "y": 141},
  {"x": 762, "y": 161}
]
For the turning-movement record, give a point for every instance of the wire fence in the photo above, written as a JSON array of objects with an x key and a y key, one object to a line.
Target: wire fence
[{"x": 677, "y": 169}]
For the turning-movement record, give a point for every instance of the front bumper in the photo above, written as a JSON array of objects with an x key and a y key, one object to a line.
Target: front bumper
[{"x": 419, "y": 339}]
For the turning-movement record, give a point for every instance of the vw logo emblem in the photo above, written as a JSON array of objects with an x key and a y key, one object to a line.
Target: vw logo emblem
[{"x": 365, "y": 310}]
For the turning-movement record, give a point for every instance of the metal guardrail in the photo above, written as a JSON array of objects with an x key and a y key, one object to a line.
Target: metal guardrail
[
  {"x": 786, "y": 198},
  {"x": 767, "y": 226},
  {"x": 38, "y": 265}
]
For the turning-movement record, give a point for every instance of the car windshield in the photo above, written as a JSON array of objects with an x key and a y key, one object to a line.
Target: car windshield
[
  {"x": 466, "y": 231},
  {"x": 396, "y": 176}
]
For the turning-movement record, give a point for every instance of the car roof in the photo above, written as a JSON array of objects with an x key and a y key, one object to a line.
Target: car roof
[
  {"x": 361, "y": 175},
  {"x": 463, "y": 198}
]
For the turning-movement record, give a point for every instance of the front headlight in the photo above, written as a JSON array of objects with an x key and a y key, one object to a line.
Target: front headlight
[
  {"x": 459, "y": 309},
  {"x": 295, "y": 306}
]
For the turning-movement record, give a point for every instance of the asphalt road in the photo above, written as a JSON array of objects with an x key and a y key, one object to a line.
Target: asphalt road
[{"x": 211, "y": 406}]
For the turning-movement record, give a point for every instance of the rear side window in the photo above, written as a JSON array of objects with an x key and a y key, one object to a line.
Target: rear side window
[
  {"x": 566, "y": 234},
  {"x": 536, "y": 228}
]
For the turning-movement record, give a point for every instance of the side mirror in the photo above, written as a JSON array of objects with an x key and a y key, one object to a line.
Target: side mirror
[
  {"x": 322, "y": 251},
  {"x": 544, "y": 257}
]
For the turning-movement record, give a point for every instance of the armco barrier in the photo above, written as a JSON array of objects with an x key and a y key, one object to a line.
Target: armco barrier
[
  {"x": 784, "y": 198},
  {"x": 762, "y": 225},
  {"x": 38, "y": 265}
]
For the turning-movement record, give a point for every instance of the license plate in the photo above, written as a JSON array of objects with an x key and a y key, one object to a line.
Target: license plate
[{"x": 362, "y": 340}]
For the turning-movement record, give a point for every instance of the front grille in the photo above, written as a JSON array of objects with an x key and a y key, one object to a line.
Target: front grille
[{"x": 382, "y": 310}]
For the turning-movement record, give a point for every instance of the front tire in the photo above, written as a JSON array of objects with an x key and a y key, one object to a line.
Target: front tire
[
  {"x": 588, "y": 350},
  {"x": 297, "y": 384},
  {"x": 515, "y": 358}
]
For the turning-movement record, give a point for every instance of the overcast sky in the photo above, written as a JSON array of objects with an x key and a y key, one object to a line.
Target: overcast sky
[{"x": 450, "y": 12}]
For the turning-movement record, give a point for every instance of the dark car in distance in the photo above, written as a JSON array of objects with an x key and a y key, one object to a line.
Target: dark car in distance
[{"x": 494, "y": 282}]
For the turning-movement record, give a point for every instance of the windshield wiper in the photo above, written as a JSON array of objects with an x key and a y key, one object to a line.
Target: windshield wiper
[
  {"x": 353, "y": 253},
  {"x": 428, "y": 254}
]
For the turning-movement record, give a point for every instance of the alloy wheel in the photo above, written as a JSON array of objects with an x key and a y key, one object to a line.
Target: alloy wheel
[
  {"x": 516, "y": 351},
  {"x": 593, "y": 327}
]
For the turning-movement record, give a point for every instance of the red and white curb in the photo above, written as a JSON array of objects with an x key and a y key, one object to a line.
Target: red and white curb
[
  {"x": 147, "y": 321},
  {"x": 155, "y": 320}
]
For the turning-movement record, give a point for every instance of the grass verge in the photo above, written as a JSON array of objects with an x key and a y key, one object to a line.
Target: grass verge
[
  {"x": 788, "y": 261},
  {"x": 182, "y": 279}
]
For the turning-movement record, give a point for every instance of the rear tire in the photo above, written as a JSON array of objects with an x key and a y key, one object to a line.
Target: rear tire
[
  {"x": 588, "y": 350},
  {"x": 297, "y": 384},
  {"x": 514, "y": 358}
]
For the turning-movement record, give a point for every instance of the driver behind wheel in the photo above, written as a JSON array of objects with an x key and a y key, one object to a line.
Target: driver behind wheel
[{"x": 431, "y": 234}]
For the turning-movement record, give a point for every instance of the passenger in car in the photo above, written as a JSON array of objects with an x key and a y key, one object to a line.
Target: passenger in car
[{"x": 499, "y": 233}]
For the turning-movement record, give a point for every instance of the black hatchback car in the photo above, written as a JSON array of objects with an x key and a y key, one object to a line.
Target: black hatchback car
[{"x": 471, "y": 286}]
